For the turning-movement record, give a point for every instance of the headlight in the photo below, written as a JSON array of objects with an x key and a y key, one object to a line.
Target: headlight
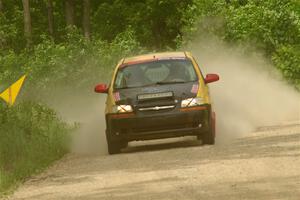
[
  {"x": 191, "y": 102},
  {"x": 122, "y": 109}
]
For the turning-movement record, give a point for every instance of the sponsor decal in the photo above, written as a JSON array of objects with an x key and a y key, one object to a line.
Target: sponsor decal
[
  {"x": 195, "y": 89},
  {"x": 117, "y": 96},
  {"x": 155, "y": 95}
]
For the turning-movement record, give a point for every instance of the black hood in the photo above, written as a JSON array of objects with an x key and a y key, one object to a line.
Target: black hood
[{"x": 129, "y": 96}]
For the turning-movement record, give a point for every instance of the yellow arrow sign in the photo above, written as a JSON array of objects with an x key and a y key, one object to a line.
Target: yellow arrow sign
[{"x": 10, "y": 94}]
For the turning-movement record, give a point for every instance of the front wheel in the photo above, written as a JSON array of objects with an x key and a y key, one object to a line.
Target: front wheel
[
  {"x": 113, "y": 146},
  {"x": 209, "y": 136}
]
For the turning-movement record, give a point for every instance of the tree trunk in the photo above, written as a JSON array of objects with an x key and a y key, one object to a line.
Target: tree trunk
[
  {"x": 27, "y": 23},
  {"x": 50, "y": 18},
  {"x": 86, "y": 19},
  {"x": 1, "y": 6},
  {"x": 2, "y": 40},
  {"x": 69, "y": 9}
]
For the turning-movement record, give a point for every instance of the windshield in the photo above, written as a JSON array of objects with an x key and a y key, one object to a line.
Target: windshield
[{"x": 157, "y": 72}]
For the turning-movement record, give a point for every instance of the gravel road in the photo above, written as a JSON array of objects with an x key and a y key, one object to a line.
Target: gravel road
[{"x": 263, "y": 165}]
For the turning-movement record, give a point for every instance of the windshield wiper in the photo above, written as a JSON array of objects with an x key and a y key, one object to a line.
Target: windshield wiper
[
  {"x": 169, "y": 82},
  {"x": 137, "y": 86},
  {"x": 127, "y": 87},
  {"x": 152, "y": 84}
]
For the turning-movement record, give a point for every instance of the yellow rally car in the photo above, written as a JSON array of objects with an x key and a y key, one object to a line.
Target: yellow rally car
[{"x": 155, "y": 96}]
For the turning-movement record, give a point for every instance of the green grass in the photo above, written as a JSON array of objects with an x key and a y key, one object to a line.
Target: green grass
[{"x": 31, "y": 138}]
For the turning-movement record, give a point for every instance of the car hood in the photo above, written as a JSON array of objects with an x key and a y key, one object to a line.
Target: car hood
[{"x": 179, "y": 91}]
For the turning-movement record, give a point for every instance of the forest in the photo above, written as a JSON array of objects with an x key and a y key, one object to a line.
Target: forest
[{"x": 58, "y": 42}]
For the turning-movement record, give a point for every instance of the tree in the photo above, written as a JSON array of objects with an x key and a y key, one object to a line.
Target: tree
[
  {"x": 69, "y": 11},
  {"x": 86, "y": 19},
  {"x": 1, "y": 6},
  {"x": 50, "y": 17},
  {"x": 27, "y": 23}
]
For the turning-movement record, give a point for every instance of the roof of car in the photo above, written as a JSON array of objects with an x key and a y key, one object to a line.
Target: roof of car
[{"x": 153, "y": 56}]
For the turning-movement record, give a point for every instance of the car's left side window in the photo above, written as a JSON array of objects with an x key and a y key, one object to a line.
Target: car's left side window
[{"x": 119, "y": 79}]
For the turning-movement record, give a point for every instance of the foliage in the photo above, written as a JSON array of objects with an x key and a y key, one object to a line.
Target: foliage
[
  {"x": 157, "y": 23},
  {"x": 270, "y": 26},
  {"x": 32, "y": 136},
  {"x": 273, "y": 27},
  {"x": 287, "y": 60},
  {"x": 266, "y": 25},
  {"x": 51, "y": 65},
  {"x": 11, "y": 29}
]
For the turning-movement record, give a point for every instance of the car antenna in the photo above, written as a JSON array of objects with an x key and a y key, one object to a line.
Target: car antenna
[{"x": 185, "y": 54}]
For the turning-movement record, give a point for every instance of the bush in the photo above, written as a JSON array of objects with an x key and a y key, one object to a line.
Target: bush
[
  {"x": 32, "y": 136},
  {"x": 271, "y": 27},
  {"x": 75, "y": 65},
  {"x": 287, "y": 60},
  {"x": 265, "y": 25}
]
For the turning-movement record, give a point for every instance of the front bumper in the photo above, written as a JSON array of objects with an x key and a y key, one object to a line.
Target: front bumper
[{"x": 156, "y": 126}]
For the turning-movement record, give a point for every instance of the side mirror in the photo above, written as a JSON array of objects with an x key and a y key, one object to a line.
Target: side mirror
[
  {"x": 211, "y": 78},
  {"x": 101, "y": 88}
]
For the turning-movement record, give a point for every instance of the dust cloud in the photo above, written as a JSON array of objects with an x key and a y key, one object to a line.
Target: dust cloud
[
  {"x": 87, "y": 110},
  {"x": 250, "y": 93},
  {"x": 90, "y": 137}
]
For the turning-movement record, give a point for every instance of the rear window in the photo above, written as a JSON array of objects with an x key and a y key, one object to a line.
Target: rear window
[{"x": 162, "y": 71}]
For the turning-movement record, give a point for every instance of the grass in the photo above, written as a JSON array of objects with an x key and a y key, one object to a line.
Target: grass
[{"x": 31, "y": 137}]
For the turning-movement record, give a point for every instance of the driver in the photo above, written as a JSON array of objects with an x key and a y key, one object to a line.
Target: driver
[
  {"x": 177, "y": 72},
  {"x": 135, "y": 77}
]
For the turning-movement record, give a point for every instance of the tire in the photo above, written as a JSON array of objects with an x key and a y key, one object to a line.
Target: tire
[
  {"x": 209, "y": 136},
  {"x": 113, "y": 146},
  {"x": 123, "y": 144}
]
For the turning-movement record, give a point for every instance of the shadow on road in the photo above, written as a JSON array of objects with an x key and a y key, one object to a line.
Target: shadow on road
[{"x": 158, "y": 145}]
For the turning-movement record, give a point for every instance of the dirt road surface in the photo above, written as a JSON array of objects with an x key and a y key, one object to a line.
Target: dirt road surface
[{"x": 263, "y": 165}]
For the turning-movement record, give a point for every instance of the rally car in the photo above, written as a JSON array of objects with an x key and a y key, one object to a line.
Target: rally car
[{"x": 156, "y": 96}]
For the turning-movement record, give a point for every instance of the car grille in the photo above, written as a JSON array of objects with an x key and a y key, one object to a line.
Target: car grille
[
  {"x": 157, "y": 108},
  {"x": 156, "y": 105}
]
